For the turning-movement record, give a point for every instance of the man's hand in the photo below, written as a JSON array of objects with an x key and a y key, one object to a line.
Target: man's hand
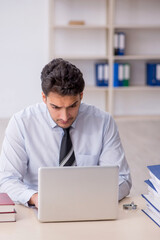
[{"x": 34, "y": 200}]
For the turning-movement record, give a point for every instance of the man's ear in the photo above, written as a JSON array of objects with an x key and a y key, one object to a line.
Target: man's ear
[
  {"x": 81, "y": 95},
  {"x": 44, "y": 98}
]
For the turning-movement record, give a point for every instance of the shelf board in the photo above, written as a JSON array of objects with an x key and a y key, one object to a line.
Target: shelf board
[
  {"x": 96, "y": 88},
  {"x": 87, "y": 57},
  {"x": 98, "y": 57},
  {"x": 97, "y": 27},
  {"x": 137, "y": 88},
  {"x": 137, "y": 26},
  {"x": 120, "y": 89},
  {"x": 137, "y": 57}
]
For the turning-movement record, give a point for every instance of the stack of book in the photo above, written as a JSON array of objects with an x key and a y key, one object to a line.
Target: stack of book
[
  {"x": 121, "y": 74},
  {"x": 152, "y": 199},
  {"x": 119, "y": 43},
  {"x": 7, "y": 209},
  {"x": 153, "y": 74},
  {"x": 102, "y": 74}
]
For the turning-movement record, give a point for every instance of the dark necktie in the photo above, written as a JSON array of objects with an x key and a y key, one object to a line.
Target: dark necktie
[{"x": 67, "y": 157}]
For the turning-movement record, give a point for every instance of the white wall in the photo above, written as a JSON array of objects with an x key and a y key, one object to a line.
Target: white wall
[{"x": 23, "y": 53}]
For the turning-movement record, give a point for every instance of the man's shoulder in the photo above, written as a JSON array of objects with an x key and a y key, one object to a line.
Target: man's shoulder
[
  {"x": 29, "y": 114},
  {"x": 92, "y": 111},
  {"x": 31, "y": 111},
  {"x": 91, "y": 118}
]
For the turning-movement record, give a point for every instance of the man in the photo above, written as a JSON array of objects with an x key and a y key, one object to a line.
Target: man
[{"x": 33, "y": 136}]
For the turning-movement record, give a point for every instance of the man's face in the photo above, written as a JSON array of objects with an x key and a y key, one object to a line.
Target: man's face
[{"x": 63, "y": 109}]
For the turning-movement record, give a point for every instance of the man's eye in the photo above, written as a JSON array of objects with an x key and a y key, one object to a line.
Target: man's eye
[
  {"x": 54, "y": 107},
  {"x": 73, "y": 106}
]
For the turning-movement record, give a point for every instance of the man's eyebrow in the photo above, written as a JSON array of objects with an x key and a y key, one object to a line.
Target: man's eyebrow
[{"x": 53, "y": 105}]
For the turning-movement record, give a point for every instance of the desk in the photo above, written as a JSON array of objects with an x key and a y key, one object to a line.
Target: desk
[{"x": 131, "y": 224}]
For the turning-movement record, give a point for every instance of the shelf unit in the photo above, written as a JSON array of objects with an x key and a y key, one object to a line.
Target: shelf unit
[{"x": 93, "y": 42}]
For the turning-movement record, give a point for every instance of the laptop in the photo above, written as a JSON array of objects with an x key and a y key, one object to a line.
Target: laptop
[{"x": 77, "y": 193}]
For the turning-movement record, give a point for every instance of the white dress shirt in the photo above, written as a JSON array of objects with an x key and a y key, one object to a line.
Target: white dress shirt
[{"x": 33, "y": 139}]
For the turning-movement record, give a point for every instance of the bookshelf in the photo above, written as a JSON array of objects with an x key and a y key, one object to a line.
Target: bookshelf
[{"x": 93, "y": 42}]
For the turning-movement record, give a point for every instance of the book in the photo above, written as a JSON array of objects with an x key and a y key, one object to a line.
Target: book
[
  {"x": 151, "y": 187},
  {"x": 76, "y": 22},
  {"x": 6, "y": 204},
  {"x": 152, "y": 199},
  {"x": 156, "y": 185},
  {"x": 8, "y": 216},
  {"x": 154, "y": 171},
  {"x": 151, "y": 213}
]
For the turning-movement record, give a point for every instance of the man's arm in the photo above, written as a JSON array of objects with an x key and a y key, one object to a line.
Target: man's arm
[
  {"x": 13, "y": 165},
  {"x": 113, "y": 154}
]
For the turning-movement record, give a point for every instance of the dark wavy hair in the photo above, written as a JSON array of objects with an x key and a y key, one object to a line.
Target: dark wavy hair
[{"x": 62, "y": 77}]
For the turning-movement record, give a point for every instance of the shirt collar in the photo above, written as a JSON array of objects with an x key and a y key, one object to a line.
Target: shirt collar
[
  {"x": 75, "y": 122},
  {"x": 51, "y": 121}
]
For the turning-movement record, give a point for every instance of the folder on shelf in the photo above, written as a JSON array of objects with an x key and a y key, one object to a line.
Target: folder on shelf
[
  {"x": 106, "y": 74},
  {"x": 99, "y": 74},
  {"x": 115, "y": 43},
  {"x": 102, "y": 74},
  {"x": 126, "y": 74},
  {"x": 121, "y": 43},
  {"x": 120, "y": 75},
  {"x": 115, "y": 72},
  {"x": 151, "y": 74},
  {"x": 158, "y": 74}
]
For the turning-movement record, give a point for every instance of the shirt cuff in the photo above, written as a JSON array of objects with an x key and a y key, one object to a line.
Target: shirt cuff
[{"x": 25, "y": 197}]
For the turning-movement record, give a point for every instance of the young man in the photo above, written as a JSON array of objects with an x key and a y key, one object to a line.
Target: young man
[{"x": 33, "y": 136}]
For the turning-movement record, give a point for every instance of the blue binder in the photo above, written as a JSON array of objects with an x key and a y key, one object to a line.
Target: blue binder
[
  {"x": 158, "y": 74},
  {"x": 121, "y": 43},
  {"x": 151, "y": 74},
  {"x": 120, "y": 74},
  {"x": 101, "y": 74},
  {"x": 115, "y": 72}
]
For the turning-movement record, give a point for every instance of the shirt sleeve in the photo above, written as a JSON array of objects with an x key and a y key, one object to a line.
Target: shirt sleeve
[
  {"x": 13, "y": 164},
  {"x": 113, "y": 154}
]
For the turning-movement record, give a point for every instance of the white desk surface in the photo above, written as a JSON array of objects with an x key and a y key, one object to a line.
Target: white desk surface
[{"x": 131, "y": 224}]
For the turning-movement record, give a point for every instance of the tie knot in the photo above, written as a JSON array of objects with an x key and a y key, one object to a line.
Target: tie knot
[{"x": 66, "y": 130}]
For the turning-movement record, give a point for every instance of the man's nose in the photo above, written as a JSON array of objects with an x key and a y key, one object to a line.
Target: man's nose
[{"x": 64, "y": 115}]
